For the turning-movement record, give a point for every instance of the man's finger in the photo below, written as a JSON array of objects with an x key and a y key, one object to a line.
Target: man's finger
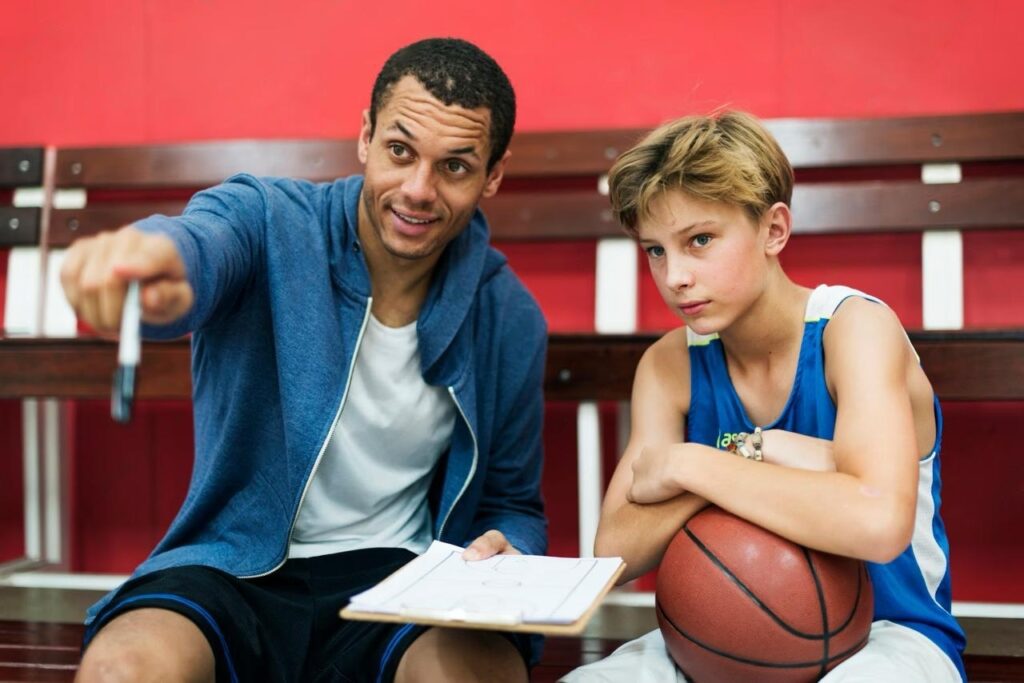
[
  {"x": 491, "y": 543},
  {"x": 164, "y": 301}
]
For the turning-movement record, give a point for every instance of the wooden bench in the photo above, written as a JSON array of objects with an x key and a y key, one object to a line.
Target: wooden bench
[{"x": 853, "y": 176}]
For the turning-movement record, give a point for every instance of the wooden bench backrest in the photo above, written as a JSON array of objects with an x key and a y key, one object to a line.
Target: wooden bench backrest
[
  {"x": 19, "y": 167},
  {"x": 853, "y": 175}
]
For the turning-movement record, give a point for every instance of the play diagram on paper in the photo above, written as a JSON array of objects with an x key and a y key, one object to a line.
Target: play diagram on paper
[{"x": 505, "y": 587}]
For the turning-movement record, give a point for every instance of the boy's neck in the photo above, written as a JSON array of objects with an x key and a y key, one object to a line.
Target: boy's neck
[{"x": 773, "y": 326}]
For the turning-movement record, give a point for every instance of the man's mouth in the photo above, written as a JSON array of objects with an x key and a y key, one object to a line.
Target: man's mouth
[{"x": 414, "y": 219}]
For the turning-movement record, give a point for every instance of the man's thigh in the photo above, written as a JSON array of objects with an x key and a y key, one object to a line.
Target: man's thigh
[
  {"x": 253, "y": 630},
  {"x": 446, "y": 654},
  {"x": 148, "y": 644}
]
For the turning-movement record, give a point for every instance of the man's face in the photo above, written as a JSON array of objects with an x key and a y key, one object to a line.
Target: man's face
[{"x": 426, "y": 170}]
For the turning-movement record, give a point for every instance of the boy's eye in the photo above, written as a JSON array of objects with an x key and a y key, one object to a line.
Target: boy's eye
[
  {"x": 654, "y": 251},
  {"x": 702, "y": 240}
]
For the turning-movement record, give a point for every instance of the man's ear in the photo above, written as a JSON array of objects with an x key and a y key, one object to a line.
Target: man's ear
[
  {"x": 495, "y": 175},
  {"x": 365, "y": 133},
  {"x": 779, "y": 223}
]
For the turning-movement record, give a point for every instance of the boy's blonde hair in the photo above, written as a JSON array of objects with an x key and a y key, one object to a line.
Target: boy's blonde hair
[{"x": 728, "y": 157}]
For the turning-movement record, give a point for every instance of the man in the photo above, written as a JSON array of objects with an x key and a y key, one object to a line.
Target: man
[{"x": 367, "y": 377}]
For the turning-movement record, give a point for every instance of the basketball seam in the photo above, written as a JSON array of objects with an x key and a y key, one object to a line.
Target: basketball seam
[
  {"x": 753, "y": 662},
  {"x": 750, "y": 594},
  {"x": 824, "y": 612}
]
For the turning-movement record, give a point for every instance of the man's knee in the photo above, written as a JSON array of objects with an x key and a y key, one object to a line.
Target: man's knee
[
  {"x": 461, "y": 655},
  {"x": 147, "y": 645}
]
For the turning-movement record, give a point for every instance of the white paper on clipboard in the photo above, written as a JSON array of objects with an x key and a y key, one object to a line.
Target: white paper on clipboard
[{"x": 504, "y": 589}]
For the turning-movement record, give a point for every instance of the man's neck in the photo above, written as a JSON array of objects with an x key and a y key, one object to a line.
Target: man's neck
[{"x": 398, "y": 285}]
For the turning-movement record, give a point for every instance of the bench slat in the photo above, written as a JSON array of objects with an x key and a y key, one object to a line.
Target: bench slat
[
  {"x": 969, "y": 366},
  {"x": 19, "y": 227},
  {"x": 850, "y": 207},
  {"x": 203, "y": 164},
  {"x": 810, "y": 143},
  {"x": 21, "y": 166}
]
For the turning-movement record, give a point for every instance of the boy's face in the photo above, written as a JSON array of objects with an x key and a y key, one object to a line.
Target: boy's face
[
  {"x": 707, "y": 258},
  {"x": 426, "y": 170}
]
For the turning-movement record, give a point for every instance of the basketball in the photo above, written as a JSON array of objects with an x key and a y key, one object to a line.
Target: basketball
[{"x": 738, "y": 603}]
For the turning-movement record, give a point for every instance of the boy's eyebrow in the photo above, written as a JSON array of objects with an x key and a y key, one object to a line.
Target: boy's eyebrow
[
  {"x": 681, "y": 231},
  {"x": 698, "y": 224}
]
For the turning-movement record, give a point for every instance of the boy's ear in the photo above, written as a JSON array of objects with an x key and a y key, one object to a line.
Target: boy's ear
[{"x": 779, "y": 223}]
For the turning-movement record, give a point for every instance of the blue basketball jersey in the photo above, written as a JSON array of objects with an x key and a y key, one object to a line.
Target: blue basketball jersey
[{"x": 912, "y": 590}]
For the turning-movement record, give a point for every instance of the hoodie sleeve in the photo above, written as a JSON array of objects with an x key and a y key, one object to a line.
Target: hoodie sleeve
[
  {"x": 220, "y": 237},
  {"x": 511, "y": 501}
]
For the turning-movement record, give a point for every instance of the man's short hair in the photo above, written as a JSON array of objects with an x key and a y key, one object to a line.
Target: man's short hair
[
  {"x": 455, "y": 72},
  {"x": 729, "y": 157}
]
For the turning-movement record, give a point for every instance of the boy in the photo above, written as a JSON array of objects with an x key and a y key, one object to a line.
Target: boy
[{"x": 819, "y": 391}]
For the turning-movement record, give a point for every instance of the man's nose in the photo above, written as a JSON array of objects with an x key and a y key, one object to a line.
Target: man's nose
[{"x": 419, "y": 186}]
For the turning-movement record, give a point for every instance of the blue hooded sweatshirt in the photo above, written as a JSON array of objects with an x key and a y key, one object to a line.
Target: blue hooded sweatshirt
[{"x": 282, "y": 295}]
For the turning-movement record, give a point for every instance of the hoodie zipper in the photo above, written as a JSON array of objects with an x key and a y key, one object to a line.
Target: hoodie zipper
[
  {"x": 327, "y": 440},
  {"x": 472, "y": 469}
]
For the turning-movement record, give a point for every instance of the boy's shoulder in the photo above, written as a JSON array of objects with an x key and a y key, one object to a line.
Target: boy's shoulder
[
  {"x": 864, "y": 331},
  {"x": 664, "y": 369}
]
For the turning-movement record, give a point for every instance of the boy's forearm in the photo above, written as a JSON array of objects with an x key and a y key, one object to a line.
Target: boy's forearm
[
  {"x": 830, "y": 511},
  {"x": 790, "y": 449},
  {"x": 639, "y": 534}
]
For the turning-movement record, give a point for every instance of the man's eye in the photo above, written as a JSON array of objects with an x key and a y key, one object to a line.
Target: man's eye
[
  {"x": 397, "y": 149},
  {"x": 455, "y": 166},
  {"x": 655, "y": 251}
]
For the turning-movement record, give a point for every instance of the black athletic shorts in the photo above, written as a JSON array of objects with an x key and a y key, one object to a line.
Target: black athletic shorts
[{"x": 285, "y": 626}]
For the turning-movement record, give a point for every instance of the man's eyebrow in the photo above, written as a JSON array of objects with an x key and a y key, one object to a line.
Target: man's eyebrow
[
  {"x": 469, "y": 149},
  {"x": 465, "y": 150},
  {"x": 403, "y": 129}
]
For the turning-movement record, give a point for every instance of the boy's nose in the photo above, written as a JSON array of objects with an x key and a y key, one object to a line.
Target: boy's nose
[{"x": 679, "y": 276}]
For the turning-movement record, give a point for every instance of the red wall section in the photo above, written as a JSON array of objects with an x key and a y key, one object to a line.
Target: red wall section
[
  {"x": 92, "y": 72},
  {"x": 128, "y": 480},
  {"x": 994, "y": 278},
  {"x": 983, "y": 501}
]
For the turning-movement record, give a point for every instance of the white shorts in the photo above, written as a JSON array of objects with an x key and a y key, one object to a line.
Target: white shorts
[{"x": 893, "y": 653}]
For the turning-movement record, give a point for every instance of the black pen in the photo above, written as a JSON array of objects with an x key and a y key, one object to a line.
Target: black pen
[{"x": 129, "y": 353}]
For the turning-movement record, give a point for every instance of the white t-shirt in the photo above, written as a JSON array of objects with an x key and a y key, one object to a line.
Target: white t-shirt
[{"x": 370, "y": 488}]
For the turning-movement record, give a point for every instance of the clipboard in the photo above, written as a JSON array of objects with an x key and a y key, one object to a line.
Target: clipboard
[{"x": 490, "y": 620}]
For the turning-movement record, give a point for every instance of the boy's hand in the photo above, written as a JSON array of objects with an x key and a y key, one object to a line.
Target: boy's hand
[
  {"x": 654, "y": 473},
  {"x": 97, "y": 270},
  {"x": 488, "y": 545}
]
